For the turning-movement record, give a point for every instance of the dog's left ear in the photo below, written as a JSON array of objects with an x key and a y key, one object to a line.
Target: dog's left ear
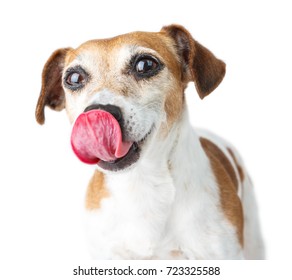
[
  {"x": 52, "y": 93},
  {"x": 198, "y": 63}
]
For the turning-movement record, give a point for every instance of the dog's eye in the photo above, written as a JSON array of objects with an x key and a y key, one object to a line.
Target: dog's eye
[
  {"x": 146, "y": 66},
  {"x": 75, "y": 78}
]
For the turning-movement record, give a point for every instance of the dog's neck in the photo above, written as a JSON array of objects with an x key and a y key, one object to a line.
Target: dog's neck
[
  {"x": 162, "y": 161},
  {"x": 148, "y": 192}
]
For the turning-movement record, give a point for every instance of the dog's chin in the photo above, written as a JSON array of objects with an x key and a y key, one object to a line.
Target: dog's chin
[{"x": 129, "y": 159}]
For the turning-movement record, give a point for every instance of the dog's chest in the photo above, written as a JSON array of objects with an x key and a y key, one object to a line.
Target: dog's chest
[
  {"x": 131, "y": 220},
  {"x": 151, "y": 216}
]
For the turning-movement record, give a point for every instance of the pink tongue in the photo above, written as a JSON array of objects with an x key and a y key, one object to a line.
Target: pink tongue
[{"x": 96, "y": 136}]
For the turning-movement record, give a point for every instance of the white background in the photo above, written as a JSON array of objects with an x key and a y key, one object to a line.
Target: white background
[{"x": 42, "y": 184}]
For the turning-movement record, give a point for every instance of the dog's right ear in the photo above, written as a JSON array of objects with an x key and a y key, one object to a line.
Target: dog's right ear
[{"x": 52, "y": 93}]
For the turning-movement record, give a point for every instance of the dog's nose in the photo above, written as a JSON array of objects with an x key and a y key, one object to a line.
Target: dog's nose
[{"x": 112, "y": 109}]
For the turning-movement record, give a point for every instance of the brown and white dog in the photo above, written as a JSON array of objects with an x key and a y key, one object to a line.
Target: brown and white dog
[{"x": 177, "y": 193}]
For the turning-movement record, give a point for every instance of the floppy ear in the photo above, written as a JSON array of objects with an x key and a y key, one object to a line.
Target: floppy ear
[
  {"x": 198, "y": 63},
  {"x": 52, "y": 93}
]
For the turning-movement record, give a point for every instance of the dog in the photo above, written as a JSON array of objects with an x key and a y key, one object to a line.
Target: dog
[{"x": 160, "y": 189}]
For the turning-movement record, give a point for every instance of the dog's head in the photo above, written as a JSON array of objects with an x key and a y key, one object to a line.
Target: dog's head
[{"x": 139, "y": 78}]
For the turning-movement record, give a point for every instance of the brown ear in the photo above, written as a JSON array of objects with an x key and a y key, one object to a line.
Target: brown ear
[
  {"x": 198, "y": 63},
  {"x": 52, "y": 93}
]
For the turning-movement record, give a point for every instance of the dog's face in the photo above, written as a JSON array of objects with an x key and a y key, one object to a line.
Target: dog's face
[
  {"x": 136, "y": 74},
  {"x": 138, "y": 77}
]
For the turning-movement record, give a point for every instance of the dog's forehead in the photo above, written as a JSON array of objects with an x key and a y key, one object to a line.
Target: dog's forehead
[{"x": 158, "y": 42}]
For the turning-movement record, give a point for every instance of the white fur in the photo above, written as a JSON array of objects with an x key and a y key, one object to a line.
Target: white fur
[{"x": 152, "y": 211}]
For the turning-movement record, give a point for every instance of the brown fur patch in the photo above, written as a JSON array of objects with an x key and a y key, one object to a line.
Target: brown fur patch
[
  {"x": 226, "y": 179},
  {"x": 224, "y": 161},
  {"x": 96, "y": 191},
  {"x": 176, "y": 253},
  {"x": 239, "y": 168},
  {"x": 173, "y": 106}
]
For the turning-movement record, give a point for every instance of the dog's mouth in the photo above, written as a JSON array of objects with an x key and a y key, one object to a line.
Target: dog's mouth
[
  {"x": 128, "y": 159},
  {"x": 97, "y": 138}
]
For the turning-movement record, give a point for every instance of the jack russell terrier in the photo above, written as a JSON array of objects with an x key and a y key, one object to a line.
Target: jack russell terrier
[{"x": 161, "y": 190}]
